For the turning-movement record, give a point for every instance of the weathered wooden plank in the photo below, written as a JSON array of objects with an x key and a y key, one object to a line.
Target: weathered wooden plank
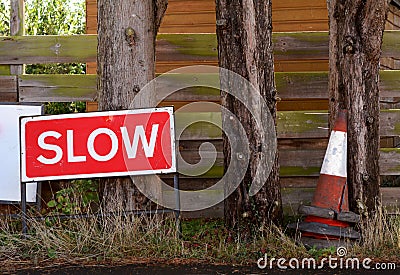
[
  {"x": 198, "y": 183},
  {"x": 298, "y": 182},
  {"x": 48, "y": 49},
  {"x": 315, "y": 84},
  {"x": 5, "y": 70},
  {"x": 303, "y": 144},
  {"x": 389, "y": 83},
  {"x": 293, "y": 163},
  {"x": 200, "y": 130},
  {"x": 294, "y": 124},
  {"x": 390, "y": 123},
  {"x": 300, "y": 162},
  {"x": 389, "y": 161},
  {"x": 287, "y": 46},
  {"x": 292, "y": 198},
  {"x": 45, "y": 88},
  {"x": 311, "y": 87},
  {"x": 299, "y": 124},
  {"x": 291, "y": 124},
  {"x": 290, "y": 86},
  {"x": 170, "y": 47}
]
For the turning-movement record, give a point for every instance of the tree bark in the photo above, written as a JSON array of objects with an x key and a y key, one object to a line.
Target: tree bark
[
  {"x": 125, "y": 63},
  {"x": 244, "y": 33},
  {"x": 356, "y": 30}
]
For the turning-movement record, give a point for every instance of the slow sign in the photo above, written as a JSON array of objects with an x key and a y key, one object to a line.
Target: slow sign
[{"x": 100, "y": 144}]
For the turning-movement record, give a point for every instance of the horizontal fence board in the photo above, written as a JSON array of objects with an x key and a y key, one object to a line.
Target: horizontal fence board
[
  {"x": 290, "y": 86},
  {"x": 296, "y": 160},
  {"x": 293, "y": 163},
  {"x": 57, "y": 88},
  {"x": 294, "y": 124},
  {"x": 389, "y": 161},
  {"x": 292, "y": 198},
  {"x": 170, "y": 47},
  {"x": 48, "y": 49},
  {"x": 198, "y": 183},
  {"x": 290, "y": 124}
]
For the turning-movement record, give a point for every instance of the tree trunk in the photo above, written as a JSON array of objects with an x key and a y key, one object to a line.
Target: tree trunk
[
  {"x": 356, "y": 29},
  {"x": 125, "y": 63},
  {"x": 244, "y": 33}
]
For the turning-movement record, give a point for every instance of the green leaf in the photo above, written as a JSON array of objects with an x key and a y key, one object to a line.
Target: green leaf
[
  {"x": 51, "y": 253},
  {"x": 51, "y": 203}
]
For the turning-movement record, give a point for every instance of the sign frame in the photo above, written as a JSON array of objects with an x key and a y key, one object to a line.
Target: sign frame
[{"x": 25, "y": 120}]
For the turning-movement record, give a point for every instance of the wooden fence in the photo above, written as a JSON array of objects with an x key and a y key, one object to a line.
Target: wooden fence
[{"x": 302, "y": 116}]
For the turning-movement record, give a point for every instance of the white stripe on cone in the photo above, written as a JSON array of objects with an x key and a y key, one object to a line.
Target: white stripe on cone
[{"x": 335, "y": 160}]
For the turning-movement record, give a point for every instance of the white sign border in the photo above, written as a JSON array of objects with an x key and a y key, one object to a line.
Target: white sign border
[{"x": 172, "y": 169}]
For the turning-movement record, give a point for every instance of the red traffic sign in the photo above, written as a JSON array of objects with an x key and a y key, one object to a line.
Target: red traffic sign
[{"x": 99, "y": 144}]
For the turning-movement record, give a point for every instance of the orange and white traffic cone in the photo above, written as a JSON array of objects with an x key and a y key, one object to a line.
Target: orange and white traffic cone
[{"x": 329, "y": 216}]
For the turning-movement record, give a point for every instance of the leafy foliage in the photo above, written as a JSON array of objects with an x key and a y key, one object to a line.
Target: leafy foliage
[
  {"x": 55, "y": 17},
  {"x": 59, "y": 68},
  {"x": 75, "y": 199},
  {"x": 56, "y": 108},
  {"x": 4, "y": 17},
  {"x": 47, "y": 17}
]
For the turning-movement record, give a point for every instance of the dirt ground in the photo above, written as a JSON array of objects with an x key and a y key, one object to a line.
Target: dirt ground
[{"x": 197, "y": 268}]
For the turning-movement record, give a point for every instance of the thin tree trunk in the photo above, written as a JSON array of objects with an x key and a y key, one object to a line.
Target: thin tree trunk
[
  {"x": 125, "y": 63},
  {"x": 244, "y": 32},
  {"x": 356, "y": 30}
]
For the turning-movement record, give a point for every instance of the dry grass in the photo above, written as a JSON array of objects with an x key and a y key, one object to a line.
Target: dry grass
[
  {"x": 116, "y": 237},
  {"x": 380, "y": 236}
]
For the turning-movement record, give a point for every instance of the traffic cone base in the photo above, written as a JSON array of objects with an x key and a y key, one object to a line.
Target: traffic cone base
[
  {"x": 316, "y": 211},
  {"x": 319, "y": 236},
  {"x": 317, "y": 229},
  {"x": 331, "y": 222}
]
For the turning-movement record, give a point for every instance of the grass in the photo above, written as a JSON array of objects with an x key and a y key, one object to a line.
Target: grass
[
  {"x": 381, "y": 236},
  {"x": 115, "y": 238}
]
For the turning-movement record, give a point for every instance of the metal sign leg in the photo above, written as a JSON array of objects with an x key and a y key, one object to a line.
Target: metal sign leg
[
  {"x": 177, "y": 205},
  {"x": 23, "y": 209}
]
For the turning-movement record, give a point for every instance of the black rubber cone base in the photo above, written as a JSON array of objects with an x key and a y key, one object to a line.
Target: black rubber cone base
[{"x": 326, "y": 230}]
